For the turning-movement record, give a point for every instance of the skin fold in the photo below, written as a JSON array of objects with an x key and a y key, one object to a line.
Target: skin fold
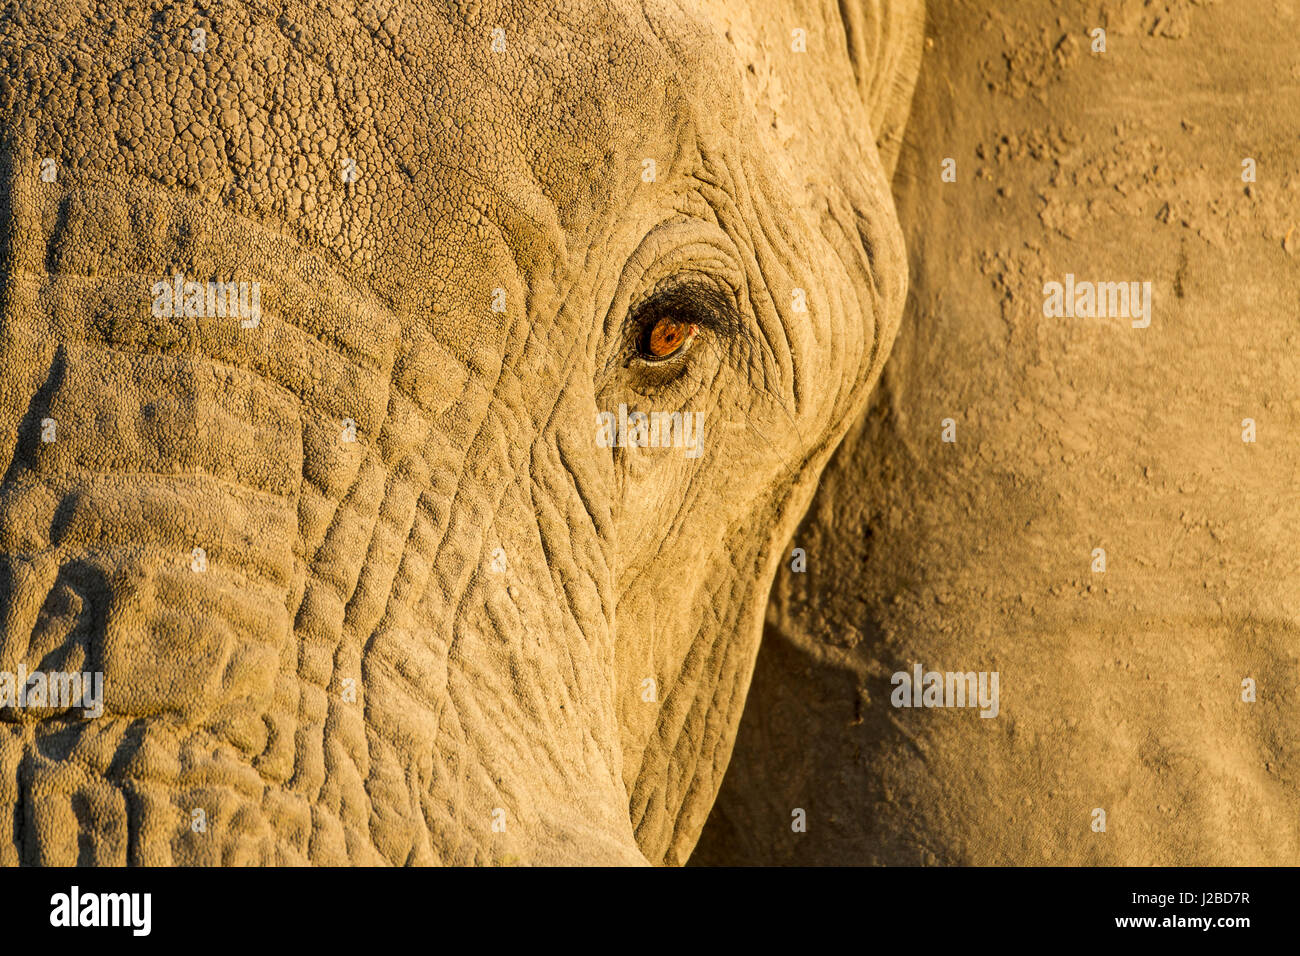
[{"x": 430, "y": 644}]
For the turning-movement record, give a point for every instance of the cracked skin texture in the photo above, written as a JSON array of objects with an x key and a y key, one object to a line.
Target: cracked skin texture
[{"x": 493, "y": 586}]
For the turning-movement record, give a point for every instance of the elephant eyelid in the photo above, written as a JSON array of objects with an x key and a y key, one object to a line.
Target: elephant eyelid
[{"x": 692, "y": 301}]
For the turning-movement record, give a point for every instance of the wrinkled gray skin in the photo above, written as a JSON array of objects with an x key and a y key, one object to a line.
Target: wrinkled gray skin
[{"x": 491, "y": 585}]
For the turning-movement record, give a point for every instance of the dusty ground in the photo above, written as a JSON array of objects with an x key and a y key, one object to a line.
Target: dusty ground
[{"x": 1119, "y": 690}]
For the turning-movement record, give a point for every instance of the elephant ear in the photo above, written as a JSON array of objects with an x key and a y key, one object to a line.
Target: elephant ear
[
  {"x": 884, "y": 41},
  {"x": 808, "y": 61}
]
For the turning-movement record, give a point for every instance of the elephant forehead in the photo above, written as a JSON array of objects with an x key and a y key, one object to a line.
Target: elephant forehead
[{"x": 436, "y": 143}]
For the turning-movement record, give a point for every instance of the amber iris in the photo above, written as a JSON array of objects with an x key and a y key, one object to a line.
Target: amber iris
[{"x": 667, "y": 336}]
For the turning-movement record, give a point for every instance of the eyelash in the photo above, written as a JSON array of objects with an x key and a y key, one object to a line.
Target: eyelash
[{"x": 697, "y": 301}]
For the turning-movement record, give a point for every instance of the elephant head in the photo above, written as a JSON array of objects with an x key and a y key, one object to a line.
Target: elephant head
[{"x": 376, "y": 555}]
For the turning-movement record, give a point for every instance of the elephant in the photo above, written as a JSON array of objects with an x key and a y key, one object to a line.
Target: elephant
[
  {"x": 407, "y": 409},
  {"x": 1113, "y": 525}
]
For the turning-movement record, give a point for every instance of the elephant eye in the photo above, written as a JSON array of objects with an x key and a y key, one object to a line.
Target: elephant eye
[
  {"x": 673, "y": 318},
  {"x": 664, "y": 336}
]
